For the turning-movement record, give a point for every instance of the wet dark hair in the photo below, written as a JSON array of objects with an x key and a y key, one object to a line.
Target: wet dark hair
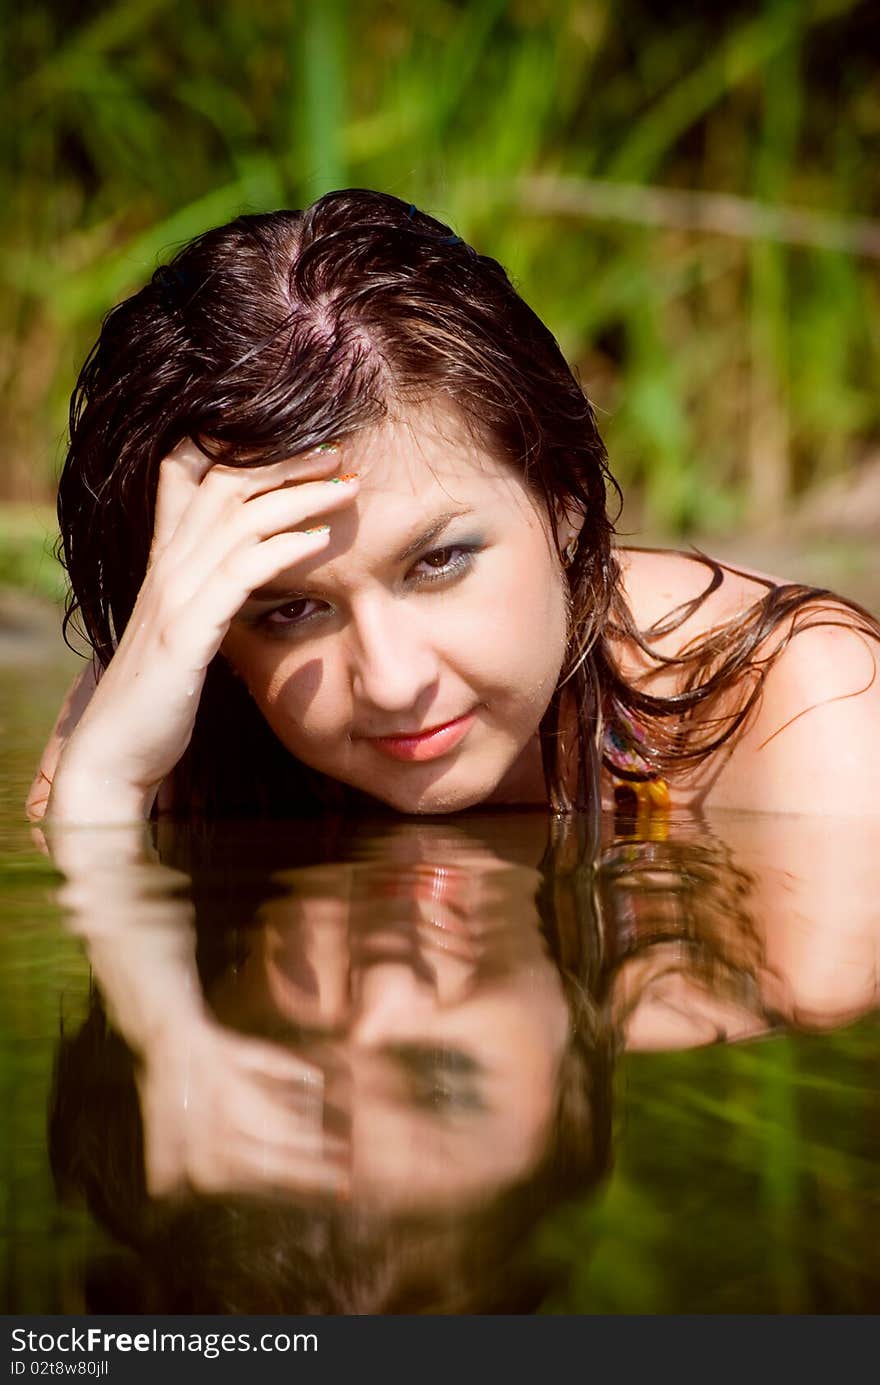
[{"x": 278, "y": 332}]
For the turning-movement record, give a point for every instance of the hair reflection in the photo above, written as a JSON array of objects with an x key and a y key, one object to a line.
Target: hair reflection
[{"x": 457, "y": 1028}]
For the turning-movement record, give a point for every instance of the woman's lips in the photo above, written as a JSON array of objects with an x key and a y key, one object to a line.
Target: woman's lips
[{"x": 426, "y": 745}]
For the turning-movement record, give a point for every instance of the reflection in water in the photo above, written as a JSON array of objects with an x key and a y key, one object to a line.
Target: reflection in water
[{"x": 353, "y": 1074}]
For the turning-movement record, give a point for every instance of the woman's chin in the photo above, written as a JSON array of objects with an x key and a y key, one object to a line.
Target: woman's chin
[
  {"x": 503, "y": 772},
  {"x": 440, "y": 797},
  {"x": 427, "y": 804}
]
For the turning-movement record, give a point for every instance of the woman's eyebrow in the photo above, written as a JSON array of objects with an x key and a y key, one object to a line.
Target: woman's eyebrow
[{"x": 433, "y": 531}]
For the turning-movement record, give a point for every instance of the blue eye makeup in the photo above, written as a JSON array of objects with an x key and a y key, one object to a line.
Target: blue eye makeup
[{"x": 444, "y": 564}]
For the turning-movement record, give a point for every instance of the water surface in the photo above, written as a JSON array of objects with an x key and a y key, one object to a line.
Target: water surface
[{"x": 454, "y": 1064}]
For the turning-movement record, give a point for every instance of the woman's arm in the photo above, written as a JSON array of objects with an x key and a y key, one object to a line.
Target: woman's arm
[
  {"x": 77, "y": 699},
  {"x": 803, "y": 924}
]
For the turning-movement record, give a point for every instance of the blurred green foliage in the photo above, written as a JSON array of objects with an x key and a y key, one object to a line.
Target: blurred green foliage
[
  {"x": 27, "y": 559},
  {"x": 686, "y": 196}
]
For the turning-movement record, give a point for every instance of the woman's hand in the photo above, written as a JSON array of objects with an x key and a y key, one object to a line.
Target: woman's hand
[
  {"x": 222, "y": 1110},
  {"x": 220, "y": 533}
]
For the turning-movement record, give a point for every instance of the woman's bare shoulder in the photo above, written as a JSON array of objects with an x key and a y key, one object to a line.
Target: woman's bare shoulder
[
  {"x": 813, "y": 742},
  {"x": 657, "y": 581},
  {"x": 813, "y": 745}
]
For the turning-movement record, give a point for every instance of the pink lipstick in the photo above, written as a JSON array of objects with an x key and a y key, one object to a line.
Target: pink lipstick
[{"x": 425, "y": 745}]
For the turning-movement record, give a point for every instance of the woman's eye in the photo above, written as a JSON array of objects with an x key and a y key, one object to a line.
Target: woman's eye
[
  {"x": 443, "y": 563},
  {"x": 440, "y": 1080},
  {"x": 293, "y": 613}
]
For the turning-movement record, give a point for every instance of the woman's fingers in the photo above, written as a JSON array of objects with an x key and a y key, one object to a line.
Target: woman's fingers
[
  {"x": 272, "y": 1150},
  {"x": 266, "y": 1168},
  {"x": 193, "y": 632},
  {"x": 266, "y": 1058},
  {"x": 200, "y": 546},
  {"x": 140, "y": 719},
  {"x": 180, "y": 474},
  {"x": 193, "y": 491},
  {"x": 194, "y": 595}
]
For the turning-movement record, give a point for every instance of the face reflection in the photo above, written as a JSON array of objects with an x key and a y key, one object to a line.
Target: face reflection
[
  {"x": 470, "y": 626},
  {"x": 429, "y": 997}
]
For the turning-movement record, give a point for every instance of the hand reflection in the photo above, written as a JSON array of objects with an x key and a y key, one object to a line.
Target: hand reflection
[{"x": 224, "y": 1112}]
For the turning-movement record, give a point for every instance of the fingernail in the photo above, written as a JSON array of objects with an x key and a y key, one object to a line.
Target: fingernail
[
  {"x": 348, "y": 476},
  {"x": 318, "y": 529}
]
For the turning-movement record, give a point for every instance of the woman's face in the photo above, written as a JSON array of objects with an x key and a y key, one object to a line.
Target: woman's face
[
  {"x": 439, "y": 603},
  {"x": 418, "y": 980}
]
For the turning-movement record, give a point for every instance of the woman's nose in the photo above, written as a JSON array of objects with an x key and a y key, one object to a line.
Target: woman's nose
[
  {"x": 389, "y": 999},
  {"x": 394, "y": 659}
]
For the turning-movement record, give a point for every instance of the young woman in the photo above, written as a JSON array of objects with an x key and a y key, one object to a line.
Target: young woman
[{"x": 334, "y": 516}]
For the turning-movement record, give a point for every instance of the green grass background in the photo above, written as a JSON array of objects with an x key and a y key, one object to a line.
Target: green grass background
[{"x": 687, "y": 195}]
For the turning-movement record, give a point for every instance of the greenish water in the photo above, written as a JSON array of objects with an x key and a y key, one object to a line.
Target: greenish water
[{"x": 739, "y": 1177}]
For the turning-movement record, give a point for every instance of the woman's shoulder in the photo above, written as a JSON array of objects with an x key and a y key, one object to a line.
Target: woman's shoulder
[
  {"x": 812, "y": 743},
  {"x": 684, "y": 596},
  {"x": 657, "y": 581}
]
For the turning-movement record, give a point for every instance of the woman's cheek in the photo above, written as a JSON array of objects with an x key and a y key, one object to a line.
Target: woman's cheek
[
  {"x": 515, "y": 631},
  {"x": 305, "y": 698}
]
